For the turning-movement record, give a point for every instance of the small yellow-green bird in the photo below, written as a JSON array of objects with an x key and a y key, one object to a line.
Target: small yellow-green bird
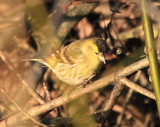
[{"x": 78, "y": 61}]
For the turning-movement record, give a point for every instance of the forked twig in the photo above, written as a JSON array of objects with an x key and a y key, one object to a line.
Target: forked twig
[{"x": 79, "y": 91}]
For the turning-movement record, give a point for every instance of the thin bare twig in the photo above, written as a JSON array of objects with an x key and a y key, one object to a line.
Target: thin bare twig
[
  {"x": 21, "y": 78},
  {"x": 48, "y": 95},
  {"x": 20, "y": 109},
  {"x": 128, "y": 97},
  {"x": 5, "y": 107},
  {"x": 112, "y": 100},
  {"x": 120, "y": 117},
  {"x": 79, "y": 92},
  {"x": 137, "y": 88}
]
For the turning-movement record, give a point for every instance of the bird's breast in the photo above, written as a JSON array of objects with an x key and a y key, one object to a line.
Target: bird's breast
[{"x": 75, "y": 74}]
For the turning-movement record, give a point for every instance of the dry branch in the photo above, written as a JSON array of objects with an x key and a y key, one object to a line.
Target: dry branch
[{"x": 78, "y": 92}]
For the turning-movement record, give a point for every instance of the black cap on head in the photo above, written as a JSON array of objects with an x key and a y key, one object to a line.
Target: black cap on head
[{"x": 101, "y": 45}]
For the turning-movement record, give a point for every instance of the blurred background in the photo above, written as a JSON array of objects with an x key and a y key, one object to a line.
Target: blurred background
[{"x": 37, "y": 28}]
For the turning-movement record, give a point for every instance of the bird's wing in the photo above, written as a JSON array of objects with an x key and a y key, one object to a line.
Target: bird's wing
[
  {"x": 72, "y": 53},
  {"x": 69, "y": 54}
]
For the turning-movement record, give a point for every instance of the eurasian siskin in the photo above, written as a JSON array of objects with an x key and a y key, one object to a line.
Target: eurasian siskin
[{"x": 78, "y": 61}]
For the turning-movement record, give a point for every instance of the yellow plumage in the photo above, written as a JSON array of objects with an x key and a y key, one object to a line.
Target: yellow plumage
[{"x": 77, "y": 61}]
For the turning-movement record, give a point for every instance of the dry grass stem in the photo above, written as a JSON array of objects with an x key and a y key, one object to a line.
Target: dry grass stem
[
  {"x": 20, "y": 109},
  {"x": 21, "y": 78}
]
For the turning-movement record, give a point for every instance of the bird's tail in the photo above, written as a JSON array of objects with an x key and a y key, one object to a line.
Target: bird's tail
[
  {"x": 40, "y": 61},
  {"x": 44, "y": 62}
]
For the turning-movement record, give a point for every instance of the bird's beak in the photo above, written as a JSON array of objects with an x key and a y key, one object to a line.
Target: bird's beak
[{"x": 101, "y": 57}]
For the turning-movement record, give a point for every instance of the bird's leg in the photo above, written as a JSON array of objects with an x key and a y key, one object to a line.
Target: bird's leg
[{"x": 85, "y": 82}]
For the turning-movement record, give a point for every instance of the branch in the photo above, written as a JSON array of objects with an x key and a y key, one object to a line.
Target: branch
[
  {"x": 137, "y": 88},
  {"x": 20, "y": 109},
  {"x": 21, "y": 78},
  {"x": 78, "y": 92}
]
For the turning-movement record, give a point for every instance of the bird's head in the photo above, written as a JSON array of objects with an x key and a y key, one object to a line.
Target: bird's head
[{"x": 94, "y": 49}]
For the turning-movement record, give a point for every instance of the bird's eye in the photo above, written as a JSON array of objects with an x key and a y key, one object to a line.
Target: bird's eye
[{"x": 96, "y": 53}]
